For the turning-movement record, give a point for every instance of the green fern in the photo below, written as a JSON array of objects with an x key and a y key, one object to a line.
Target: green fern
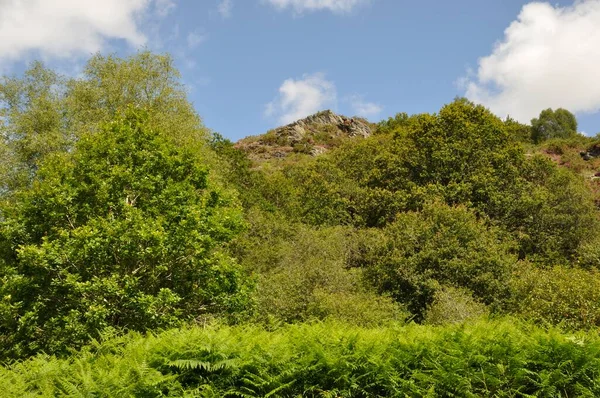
[{"x": 501, "y": 358}]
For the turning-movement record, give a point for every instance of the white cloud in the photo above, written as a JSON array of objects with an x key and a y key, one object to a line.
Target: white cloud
[
  {"x": 225, "y": 7},
  {"x": 302, "y": 97},
  {"x": 548, "y": 58},
  {"x": 299, "y": 6},
  {"x": 364, "y": 108},
  {"x": 64, "y": 28},
  {"x": 194, "y": 39}
]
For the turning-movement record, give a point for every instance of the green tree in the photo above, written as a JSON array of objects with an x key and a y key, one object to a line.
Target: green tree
[
  {"x": 122, "y": 232},
  {"x": 554, "y": 124},
  {"x": 110, "y": 84},
  {"x": 43, "y": 112},
  {"x": 463, "y": 155},
  {"x": 554, "y": 214},
  {"x": 520, "y": 132},
  {"x": 422, "y": 252},
  {"x": 31, "y": 123},
  {"x": 466, "y": 155}
]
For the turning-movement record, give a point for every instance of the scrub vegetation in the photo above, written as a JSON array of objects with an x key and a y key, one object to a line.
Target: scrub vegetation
[{"x": 141, "y": 254}]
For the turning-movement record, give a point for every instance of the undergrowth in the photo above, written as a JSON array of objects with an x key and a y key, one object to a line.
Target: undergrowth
[{"x": 499, "y": 358}]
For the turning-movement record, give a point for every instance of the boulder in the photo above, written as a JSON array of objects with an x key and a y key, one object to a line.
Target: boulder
[{"x": 591, "y": 153}]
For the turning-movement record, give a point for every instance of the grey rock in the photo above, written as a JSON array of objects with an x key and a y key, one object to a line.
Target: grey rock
[
  {"x": 296, "y": 131},
  {"x": 318, "y": 150},
  {"x": 591, "y": 153}
]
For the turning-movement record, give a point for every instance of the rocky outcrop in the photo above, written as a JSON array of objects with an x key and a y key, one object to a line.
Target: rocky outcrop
[
  {"x": 313, "y": 135},
  {"x": 352, "y": 127},
  {"x": 591, "y": 153}
]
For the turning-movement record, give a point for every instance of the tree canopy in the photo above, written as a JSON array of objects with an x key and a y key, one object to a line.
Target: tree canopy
[
  {"x": 43, "y": 112},
  {"x": 559, "y": 123},
  {"x": 120, "y": 211},
  {"x": 124, "y": 232}
]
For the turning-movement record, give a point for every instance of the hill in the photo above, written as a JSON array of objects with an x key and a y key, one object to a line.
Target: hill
[
  {"x": 314, "y": 135},
  {"x": 122, "y": 215}
]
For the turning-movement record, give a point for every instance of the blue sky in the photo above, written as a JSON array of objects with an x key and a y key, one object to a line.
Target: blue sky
[{"x": 251, "y": 65}]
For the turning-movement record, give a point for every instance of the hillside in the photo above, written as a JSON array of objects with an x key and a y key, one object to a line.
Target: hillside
[
  {"x": 581, "y": 155},
  {"x": 447, "y": 253}
]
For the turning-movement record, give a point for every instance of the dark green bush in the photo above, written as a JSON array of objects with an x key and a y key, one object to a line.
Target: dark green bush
[
  {"x": 422, "y": 252},
  {"x": 554, "y": 216}
]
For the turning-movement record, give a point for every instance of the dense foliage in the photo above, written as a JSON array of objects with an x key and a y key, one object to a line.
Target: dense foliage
[
  {"x": 121, "y": 212},
  {"x": 420, "y": 253},
  {"x": 484, "y": 359},
  {"x": 558, "y": 123},
  {"x": 303, "y": 274},
  {"x": 43, "y": 112},
  {"x": 120, "y": 232}
]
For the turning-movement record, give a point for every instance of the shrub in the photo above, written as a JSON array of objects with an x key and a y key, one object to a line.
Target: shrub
[
  {"x": 588, "y": 255},
  {"x": 301, "y": 274},
  {"x": 554, "y": 216},
  {"x": 565, "y": 296},
  {"x": 484, "y": 359},
  {"x": 452, "y": 305},
  {"x": 355, "y": 307},
  {"x": 422, "y": 252}
]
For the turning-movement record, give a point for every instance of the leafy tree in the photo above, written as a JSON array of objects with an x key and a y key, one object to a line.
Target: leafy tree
[
  {"x": 520, "y": 132},
  {"x": 461, "y": 155},
  {"x": 31, "y": 123},
  {"x": 236, "y": 170},
  {"x": 400, "y": 120},
  {"x": 554, "y": 214},
  {"x": 123, "y": 232},
  {"x": 554, "y": 124},
  {"x": 466, "y": 155},
  {"x": 110, "y": 84},
  {"x": 323, "y": 194},
  {"x": 43, "y": 112},
  {"x": 422, "y": 252},
  {"x": 463, "y": 152}
]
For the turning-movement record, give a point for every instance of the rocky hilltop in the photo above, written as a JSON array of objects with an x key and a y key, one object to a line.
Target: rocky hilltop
[{"x": 312, "y": 135}]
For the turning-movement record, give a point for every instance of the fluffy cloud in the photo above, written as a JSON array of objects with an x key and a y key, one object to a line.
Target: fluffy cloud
[
  {"x": 225, "y": 7},
  {"x": 302, "y": 97},
  {"x": 337, "y": 6},
  {"x": 548, "y": 57},
  {"x": 63, "y": 28},
  {"x": 364, "y": 108}
]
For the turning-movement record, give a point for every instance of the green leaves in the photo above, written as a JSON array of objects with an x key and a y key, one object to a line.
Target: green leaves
[
  {"x": 501, "y": 358},
  {"x": 553, "y": 124},
  {"x": 421, "y": 252},
  {"x": 122, "y": 232},
  {"x": 567, "y": 296},
  {"x": 44, "y": 113}
]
